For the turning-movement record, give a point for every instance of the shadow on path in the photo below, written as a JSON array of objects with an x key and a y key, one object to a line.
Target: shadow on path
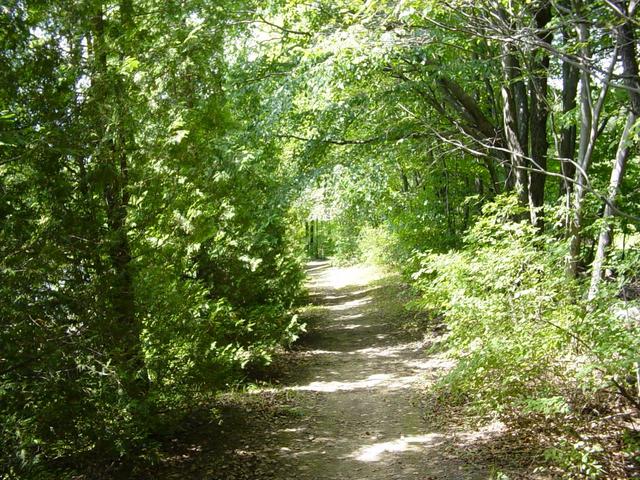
[{"x": 347, "y": 408}]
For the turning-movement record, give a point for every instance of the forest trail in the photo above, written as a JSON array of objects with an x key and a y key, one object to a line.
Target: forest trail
[
  {"x": 348, "y": 404},
  {"x": 360, "y": 389}
]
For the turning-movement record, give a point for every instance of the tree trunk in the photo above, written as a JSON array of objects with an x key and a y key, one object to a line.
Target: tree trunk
[
  {"x": 567, "y": 147},
  {"x": 516, "y": 150},
  {"x": 617, "y": 173},
  {"x": 589, "y": 132},
  {"x": 539, "y": 116},
  {"x": 627, "y": 45},
  {"x": 122, "y": 330},
  {"x": 568, "y": 134},
  {"x": 478, "y": 125}
]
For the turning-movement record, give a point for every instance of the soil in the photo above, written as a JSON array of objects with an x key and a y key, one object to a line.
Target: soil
[{"x": 344, "y": 404}]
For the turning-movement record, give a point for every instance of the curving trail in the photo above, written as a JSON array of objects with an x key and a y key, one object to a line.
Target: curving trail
[
  {"x": 347, "y": 406},
  {"x": 359, "y": 389}
]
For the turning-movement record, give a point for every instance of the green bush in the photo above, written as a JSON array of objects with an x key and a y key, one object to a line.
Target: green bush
[{"x": 519, "y": 328}]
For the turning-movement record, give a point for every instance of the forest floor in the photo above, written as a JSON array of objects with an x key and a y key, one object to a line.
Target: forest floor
[{"x": 347, "y": 402}]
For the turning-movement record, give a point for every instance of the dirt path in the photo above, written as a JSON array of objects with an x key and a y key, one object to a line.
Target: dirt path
[
  {"x": 347, "y": 408},
  {"x": 360, "y": 388}
]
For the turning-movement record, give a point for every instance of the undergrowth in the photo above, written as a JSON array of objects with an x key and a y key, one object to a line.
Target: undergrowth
[{"x": 530, "y": 350}]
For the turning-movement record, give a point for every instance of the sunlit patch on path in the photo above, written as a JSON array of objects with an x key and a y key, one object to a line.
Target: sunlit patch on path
[
  {"x": 358, "y": 386},
  {"x": 349, "y": 407},
  {"x": 375, "y": 452}
]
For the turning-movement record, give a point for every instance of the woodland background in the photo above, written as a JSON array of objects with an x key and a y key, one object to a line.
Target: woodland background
[{"x": 167, "y": 166}]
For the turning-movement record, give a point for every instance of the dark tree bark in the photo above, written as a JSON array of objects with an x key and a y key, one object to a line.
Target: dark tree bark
[
  {"x": 539, "y": 115},
  {"x": 568, "y": 134}
]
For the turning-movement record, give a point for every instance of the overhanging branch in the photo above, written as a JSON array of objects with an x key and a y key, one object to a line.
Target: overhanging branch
[{"x": 347, "y": 141}]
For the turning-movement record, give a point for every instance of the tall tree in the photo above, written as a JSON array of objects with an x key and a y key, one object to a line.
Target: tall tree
[{"x": 626, "y": 43}]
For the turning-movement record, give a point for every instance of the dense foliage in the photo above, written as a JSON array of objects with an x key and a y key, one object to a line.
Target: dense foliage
[
  {"x": 162, "y": 162},
  {"x": 490, "y": 150},
  {"x": 144, "y": 226}
]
